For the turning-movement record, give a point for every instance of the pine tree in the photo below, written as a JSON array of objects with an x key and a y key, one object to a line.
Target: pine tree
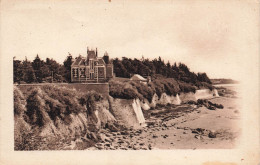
[{"x": 28, "y": 72}]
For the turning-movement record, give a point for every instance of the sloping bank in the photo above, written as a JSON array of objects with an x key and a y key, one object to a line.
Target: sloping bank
[{"x": 51, "y": 116}]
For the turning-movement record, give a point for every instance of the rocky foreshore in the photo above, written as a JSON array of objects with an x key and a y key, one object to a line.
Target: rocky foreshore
[{"x": 187, "y": 126}]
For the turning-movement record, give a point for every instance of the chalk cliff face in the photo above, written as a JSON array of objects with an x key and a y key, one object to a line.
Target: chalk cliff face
[
  {"x": 145, "y": 104},
  {"x": 199, "y": 94},
  {"x": 215, "y": 93},
  {"x": 127, "y": 112},
  {"x": 166, "y": 99},
  {"x": 178, "y": 99}
]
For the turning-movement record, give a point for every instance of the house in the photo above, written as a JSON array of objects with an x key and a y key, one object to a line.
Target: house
[
  {"x": 139, "y": 78},
  {"x": 92, "y": 68}
]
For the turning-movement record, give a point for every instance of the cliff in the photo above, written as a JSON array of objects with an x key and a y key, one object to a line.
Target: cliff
[{"x": 51, "y": 116}]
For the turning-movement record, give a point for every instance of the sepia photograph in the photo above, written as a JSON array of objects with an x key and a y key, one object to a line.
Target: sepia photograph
[{"x": 149, "y": 77}]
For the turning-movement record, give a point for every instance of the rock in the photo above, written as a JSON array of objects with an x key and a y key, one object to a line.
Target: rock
[
  {"x": 107, "y": 144},
  {"x": 211, "y": 108},
  {"x": 124, "y": 133},
  {"x": 120, "y": 142},
  {"x": 112, "y": 128},
  {"x": 102, "y": 137},
  {"x": 212, "y": 134},
  {"x": 114, "y": 134},
  {"x": 197, "y": 136},
  {"x": 192, "y": 102},
  {"x": 164, "y": 125},
  {"x": 220, "y": 106},
  {"x": 108, "y": 135},
  {"x": 92, "y": 136},
  {"x": 141, "y": 144},
  {"x": 165, "y": 136},
  {"x": 155, "y": 136},
  {"x": 149, "y": 146}
]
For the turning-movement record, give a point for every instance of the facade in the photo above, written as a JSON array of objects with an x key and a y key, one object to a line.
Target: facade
[{"x": 92, "y": 68}]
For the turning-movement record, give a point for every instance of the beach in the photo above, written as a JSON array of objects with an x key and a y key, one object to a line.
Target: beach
[{"x": 186, "y": 126}]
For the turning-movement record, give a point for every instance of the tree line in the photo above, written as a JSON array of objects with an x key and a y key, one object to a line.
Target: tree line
[
  {"x": 157, "y": 67},
  {"x": 40, "y": 71}
]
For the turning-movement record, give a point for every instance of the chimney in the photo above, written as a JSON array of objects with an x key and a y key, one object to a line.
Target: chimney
[{"x": 96, "y": 52}]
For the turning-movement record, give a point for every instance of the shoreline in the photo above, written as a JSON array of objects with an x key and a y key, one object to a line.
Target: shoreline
[{"x": 183, "y": 126}]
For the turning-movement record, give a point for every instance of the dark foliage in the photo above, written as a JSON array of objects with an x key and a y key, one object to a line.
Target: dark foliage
[
  {"x": 40, "y": 71},
  {"x": 145, "y": 67}
]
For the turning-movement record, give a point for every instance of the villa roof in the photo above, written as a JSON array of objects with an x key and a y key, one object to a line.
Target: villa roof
[
  {"x": 77, "y": 61},
  {"x": 91, "y": 55},
  {"x": 137, "y": 77}
]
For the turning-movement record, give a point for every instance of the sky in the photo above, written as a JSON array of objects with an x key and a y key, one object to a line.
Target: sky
[{"x": 208, "y": 36}]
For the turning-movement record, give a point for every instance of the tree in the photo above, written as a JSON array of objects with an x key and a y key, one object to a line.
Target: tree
[
  {"x": 55, "y": 69},
  {"x": 17, "y": 71},
  {"x": 37, "y": 65},
  {"x": 119, "y": 69},
  {"x": 67, "y": 68},
  {"x": 28, "y": 72},
  {"x": 202, "y": 77}
]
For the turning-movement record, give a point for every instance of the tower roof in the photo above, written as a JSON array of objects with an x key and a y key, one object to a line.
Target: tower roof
[{"x": 91, "y": 55}]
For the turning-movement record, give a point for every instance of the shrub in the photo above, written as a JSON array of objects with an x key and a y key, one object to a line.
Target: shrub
[
  {"x": 159, "y": 87},
  {"x": 19, "y": 102},
  {"x": 56, "y": 101},
  {"x": 123, "y": 90},
  {"x": 144, "y": 90},
  {"x": 62, "y": 99},
  {"x": 169, "y": 86},
  {"x": 36, "y": 108},
  {"x": 185, "y": 87}
]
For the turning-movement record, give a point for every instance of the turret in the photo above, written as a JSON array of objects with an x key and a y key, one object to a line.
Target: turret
[{"x": 106, "y": 58}]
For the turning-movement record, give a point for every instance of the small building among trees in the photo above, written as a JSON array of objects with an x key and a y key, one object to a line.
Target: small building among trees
[{"x": 92, "y": 68}]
